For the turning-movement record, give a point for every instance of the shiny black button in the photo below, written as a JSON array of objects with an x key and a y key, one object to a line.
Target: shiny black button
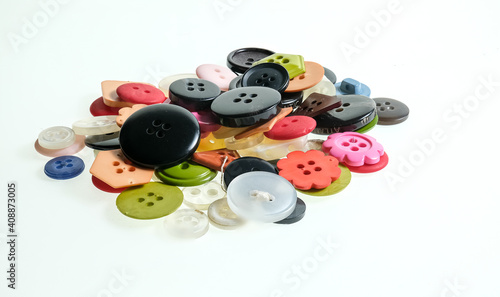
[
  {"x": 160, "y": 135},
  {"x": 292, "y": 100},
  {"x": 269, "y": 75},
  {"x": 244, "y": 165},
  {"x": 193, "y": 94},
  {"x": 242, "y": 59},
  {"x": 297, "y": 214},
  {"x": 103, "y": 142}
]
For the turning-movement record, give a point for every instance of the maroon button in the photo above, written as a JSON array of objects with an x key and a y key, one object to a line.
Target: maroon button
[
  {"x": 98, "y": 108},
  {"x": 138, "y": 93}
]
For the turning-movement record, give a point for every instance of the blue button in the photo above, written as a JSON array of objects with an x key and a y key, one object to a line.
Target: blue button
[
  {"x": 351, "y": 86},
  {"x": 64, "y": 167}
]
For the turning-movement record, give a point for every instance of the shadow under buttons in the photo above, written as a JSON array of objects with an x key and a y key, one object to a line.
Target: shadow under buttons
[
  {"x": 269, "y": 75},
  {"x": 64, "y": 167},
  {"x": 103, "y": 142},
  {"x": 246, "y": 106},
  {"x": 150, "y": 201},
  {"x": 391, "y": 111},
  {"x": 193, "y": 93},
  {"x": 244, "y": 165},
  {"x": 160, "y": 135},
  {"x": 221, "y": 216},
  {"x": 58, "y": 137},
  {"x": 241, "y": 59},
  {"x": 297, "y": 214},
  {"x": 186, "y": 174},
  {"x": 187, "y": 223},
  {"x": 261, "y": 196}
]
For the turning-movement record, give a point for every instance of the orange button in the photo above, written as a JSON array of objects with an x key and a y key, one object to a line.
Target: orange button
[{"x": 313, "y": 75}]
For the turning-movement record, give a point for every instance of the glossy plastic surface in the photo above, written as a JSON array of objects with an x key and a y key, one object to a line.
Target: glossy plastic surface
[
  {"x": 241, "y": 59},
  {"x": 96, "y": 125},
  {"x": 64, "y": 167},
  {"x": 313, "y": 75},
  {"x": 391, "y": 111},
  {"x": 294, "y": 64},
  {"x": 200, "y": 197},
  {"x": 269, "y": 75},
  {"x": 353, "y": 149},
  {"x": 186, "y": 174},
  {"x": 221, "y": 215},
  {"x": 58, "y": 137},
  {"x": 219, "y": 75},
  {"x": 291, "y": 127},
  {"x": 194, "y": 94}
]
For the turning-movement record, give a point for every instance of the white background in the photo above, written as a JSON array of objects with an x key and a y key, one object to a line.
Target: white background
[{"x": 433, "y": 231}]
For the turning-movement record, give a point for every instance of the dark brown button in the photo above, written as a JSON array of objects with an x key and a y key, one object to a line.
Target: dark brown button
[{"x": 391, "y": 111}]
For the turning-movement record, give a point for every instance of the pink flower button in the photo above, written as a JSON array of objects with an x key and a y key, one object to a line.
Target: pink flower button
[{"x": 353, "y": 149}]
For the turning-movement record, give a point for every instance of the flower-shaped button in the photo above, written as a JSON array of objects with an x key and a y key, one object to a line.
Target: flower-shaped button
[
  {"x": 353, "y": 149},
  {"x": 139, "y": 93},
  {"x": 219, "y": 75},
  {"x": 311, "y": 169},
  {"x": 64, "y": 167},
  {"x": 126, "y": 112}
]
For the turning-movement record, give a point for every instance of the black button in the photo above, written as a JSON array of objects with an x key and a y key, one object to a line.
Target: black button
[
  {"x": 292, "y": 100},
  {"x": 355, "y": 112},
  {"x": 244, "y": 165},
  {"x": 330, "y": 75},
  {"x": 104, "y": 142},
  {"x": 193, "y": 94},
  {"x": 297, "y": 214},
  {"x": 246, "y": 106},
  {"x": 269, "y": 75},
  {"x": 242, "y": 59},
  {"x": 160, "y": 135}
]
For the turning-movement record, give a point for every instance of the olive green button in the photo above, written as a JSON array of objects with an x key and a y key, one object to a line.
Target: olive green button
[
  {"x": 369, "y": 126},
  {"x": 186, "y": 174},
  {"x": 149, "y": 201},
  {"x": 341, "y": 183},
  {"x": 294, "y": 64}
]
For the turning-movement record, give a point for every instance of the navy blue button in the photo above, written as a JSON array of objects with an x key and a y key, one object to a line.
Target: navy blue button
[{"x": 64, "y": 167}]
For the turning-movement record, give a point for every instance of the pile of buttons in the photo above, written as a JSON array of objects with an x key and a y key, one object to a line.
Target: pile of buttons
[{"x": 252, "y": 123}]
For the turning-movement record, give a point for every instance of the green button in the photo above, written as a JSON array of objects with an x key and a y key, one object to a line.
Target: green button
[
  {"x": 186, "y": 174},
  {"x": 149, "y": 201},
  {"x": 368, "y": 127},
  {"x": 294, "y": 64},
  {"x": 341, "y": 183}
]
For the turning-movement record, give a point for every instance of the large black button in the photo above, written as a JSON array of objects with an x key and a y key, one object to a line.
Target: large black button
[
  {"x": 246, "y": 106},
  {"x": 269, "y": 75},
  {"x": 103, "y": 142},
  {"x": 160, "y": 135},
  {"x": 244, "y": 165},
  {"x": 355, "y": 112},
  {"x": 241, "y": 59},
  {"x": 193, "y": 94}
]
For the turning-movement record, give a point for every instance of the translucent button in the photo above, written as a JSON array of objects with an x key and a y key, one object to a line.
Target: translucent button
[
  {"x": 96, "y": 125},
  {"x": 200, "y": 197},
  {"x": 187, "y": 223},
  {"x": 58, "y": 137},
  {"x": 261, "y": 196},
  {"x": 221, "y": 216}
]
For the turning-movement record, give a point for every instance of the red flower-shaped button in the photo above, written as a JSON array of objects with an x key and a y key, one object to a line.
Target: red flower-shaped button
[
  {"x": 138, "y": 93},
  {"x": 291, "y": 127},
  {"x": 309, "y": 170},
  {"x": 353, "y": 149}
]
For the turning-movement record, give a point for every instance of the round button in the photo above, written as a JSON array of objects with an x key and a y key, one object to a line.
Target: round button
[
  {"x": 341, "y": 183},
  {"x": 244, "y": 165},
  {"x": 64, "y": 167},
  {"x": 351, "y": 86},
  {"x": 193, "y": 93},
  {"x": 165, "y": 83},
  {"x": 246, "y": 106},
  {"x": 291, "y": 127},
  {"x": 221, "y": 216},
  {"x": 149, "y": 201},
  {"x": 207, "y": 120},
  {"x": 391, "y": 111},
  {"x": 58, "y": 137},
  {"x": 235, "y": 83},
  {"x": 261, "y": 196},
  {"x": 77, "y": 146},
  {"x": 104, "y": 142},
  {"x": 311, "y": 169},
  {"x": 98, "y": 108},
  {"x": 104, "y": 186},
  {"x": 324, "y": 87},
  {"x": 297, "y": 214},
  {"x": 96, "y": 125},
  {"x": 242, "y": 59},
  {"x": 219, "y": 75},
  {"x": 187, "y": 223},
  {"x": 292, "y": 100},
  {"x": 368, "y": 126},
  {"x": 186, "y": 174},
  {"x": 160, "y": 135},
  {"x": 330, "y": 75},
  {"x": 200, "y": 197},
  {"x": 244, "y": 143},
  {"x": 138, "y": 93},
  {"x": 353, "y": 149},
  {"x": 369, "y": 168},
  {"x": 313, "y": 75},
  {"x": 269, "y": 75}
]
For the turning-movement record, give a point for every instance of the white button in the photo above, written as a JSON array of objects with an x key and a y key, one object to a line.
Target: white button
[
  {"x": 222, "y": 216},
  {"x": 200, "y": 197},
  {"x": 187, "y": 223},
  {"x": 96, "y": 125},
  {"x": 55, "y": 138},
  {"x": 261, "y": 196}
]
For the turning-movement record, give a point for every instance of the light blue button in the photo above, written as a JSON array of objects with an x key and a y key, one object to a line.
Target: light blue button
[{"x": 351, "y": 86}]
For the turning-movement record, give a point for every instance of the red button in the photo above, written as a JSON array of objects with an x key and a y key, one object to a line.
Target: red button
[
  {"x": 138, "y": 93},
  {"x": 291, "y": 127},
  {"x": 311, "y": 169},
  {"x": 98, "y": 108}
]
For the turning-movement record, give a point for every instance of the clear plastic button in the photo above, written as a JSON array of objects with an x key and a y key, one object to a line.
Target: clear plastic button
[
  {"x": 201, "y": 197},
  {"x": 58, "y": 137},
  {"x": 96, "y": 125},
  {"x": 222, "y": 216},
  {"x": 187, "y": 223}
]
